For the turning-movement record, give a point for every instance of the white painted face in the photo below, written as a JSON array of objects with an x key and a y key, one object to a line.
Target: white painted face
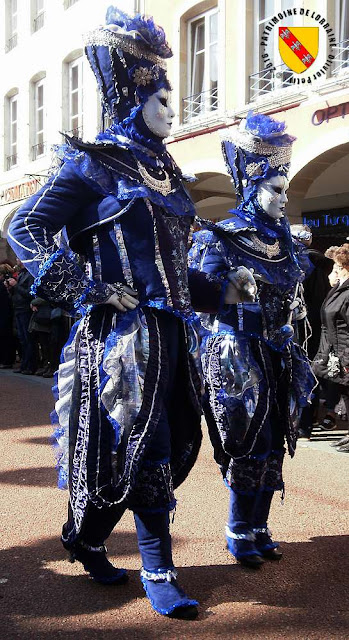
[
  {"x": 158, "y": 113},
  {"x": 271, "y": 196}
]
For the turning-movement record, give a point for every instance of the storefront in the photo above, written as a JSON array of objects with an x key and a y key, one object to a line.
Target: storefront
[
  {"x": 329, "y": 227},
  {"x": 11, "y": 199}
]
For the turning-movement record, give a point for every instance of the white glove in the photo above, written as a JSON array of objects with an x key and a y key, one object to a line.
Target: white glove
[{"x": 241, "y": 286}]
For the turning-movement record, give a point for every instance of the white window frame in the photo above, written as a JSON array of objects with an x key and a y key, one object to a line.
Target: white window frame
[
  {"x": 39, "y": 15},
  {"x": 342, "y": 7},
  {"x": 69, "y": 3},
  {"x": 276, "y": 58},
  {"x": 206, "y": 15},
  {"x": 77, "y": 63},
  {"x": 12, "y": 25},
  {"x": 13, "y": 145},
  {"x": 39, "y": 132},
  {"x": 13, "y": 17}
]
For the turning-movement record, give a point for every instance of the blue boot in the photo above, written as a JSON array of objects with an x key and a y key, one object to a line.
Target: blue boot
[
  {"x": 239, "y": 535},
  {"x": 91, "y": 551},
  {"x": 96, "y": 563},
  {"x": 264, "y": 542},
  {"x": 158, "y": 574}
]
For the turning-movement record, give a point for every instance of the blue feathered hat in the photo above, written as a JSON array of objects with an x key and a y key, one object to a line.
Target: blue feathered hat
[
  {"x": 128, "y": 57},
  {"x": 257, "y": 150}
]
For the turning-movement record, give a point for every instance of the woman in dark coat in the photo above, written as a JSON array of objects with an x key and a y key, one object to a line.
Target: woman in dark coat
[{"x": 331, "y": 363}]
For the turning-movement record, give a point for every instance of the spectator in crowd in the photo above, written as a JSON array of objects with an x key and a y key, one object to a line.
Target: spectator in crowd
[
  {"x": 7, "y": 342},
  {"x": 333, "y": 276},
  {"x": 40, "y": 329},
  {"x": 331, "y": 363},
  {"x": 21, "y": 299},
  {"x": 315, "y": 289}
]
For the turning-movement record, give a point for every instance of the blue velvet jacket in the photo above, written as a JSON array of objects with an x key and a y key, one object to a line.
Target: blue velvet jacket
[{"x": 122, "y": 229}]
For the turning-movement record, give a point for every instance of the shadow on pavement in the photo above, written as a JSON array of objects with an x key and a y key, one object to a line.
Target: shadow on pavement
[
  {"x": 311, "y": 582},
  {"x": 30, "y": 477},
  {"x": 44, "y": 440}
]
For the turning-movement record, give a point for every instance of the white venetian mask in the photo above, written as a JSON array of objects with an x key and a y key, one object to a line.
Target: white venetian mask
[
  {"x": 271, "y": 196},
  {"x": 158, "y": 113}
]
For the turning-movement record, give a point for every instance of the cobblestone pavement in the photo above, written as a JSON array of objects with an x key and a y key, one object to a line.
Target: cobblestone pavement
[{"x": 42, "y": 596}]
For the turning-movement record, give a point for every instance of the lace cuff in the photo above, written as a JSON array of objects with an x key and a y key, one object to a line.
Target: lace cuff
[
  {"x": 62, "y": 281},
  {"x": 100, "y": 292}
]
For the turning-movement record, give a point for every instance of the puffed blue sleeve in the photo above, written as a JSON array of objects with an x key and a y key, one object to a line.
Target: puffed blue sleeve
[{"x": 33, "y": 235}]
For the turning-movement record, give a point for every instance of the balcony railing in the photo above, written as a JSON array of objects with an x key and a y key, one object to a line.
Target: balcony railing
[
  {"x": 11, "y": 161},
  {"x": 268, "y": 80},
  {"x": 11, "y": 43},
  {"x": 39, "y": 21},
  {"x": 341, "y": 58},
  {"x": 69, "y": 3},
  {"x": 38, "y": 150},
  {"x": 199, "y": 104},
  {"x": 78, "y": 132}
]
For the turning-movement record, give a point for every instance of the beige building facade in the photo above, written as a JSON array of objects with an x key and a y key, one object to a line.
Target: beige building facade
[{"x": 227, "y": 60}]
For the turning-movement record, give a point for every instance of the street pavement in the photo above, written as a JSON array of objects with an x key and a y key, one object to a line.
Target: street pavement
[{"x": 43, "y": 596}]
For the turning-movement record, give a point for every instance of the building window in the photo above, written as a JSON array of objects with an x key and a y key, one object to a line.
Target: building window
[
  {"x": 341, "y": 50},
  {"x": 202, "y": 33},
  {"x": 69, "y": 3},
  {"x": 264, "y": 81},
  {"x": 38, "y": 148},
  {"x": 39, "y": 14},
  {"x": 11, "y": 158},
  {"x": 11, "y": 40},
  {"x": 75, "y": 97}
]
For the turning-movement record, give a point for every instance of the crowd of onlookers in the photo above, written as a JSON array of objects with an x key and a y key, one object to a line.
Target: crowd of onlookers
[
  {"x": 326, "y": 295},
  {"x": 32, "y": 331}
]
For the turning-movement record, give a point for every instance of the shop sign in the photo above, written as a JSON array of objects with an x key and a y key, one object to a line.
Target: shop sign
[
  {"x": 324, "y": 115},
  {"x": 19, "y": 191},
  {"x": 326, "y": 220}
]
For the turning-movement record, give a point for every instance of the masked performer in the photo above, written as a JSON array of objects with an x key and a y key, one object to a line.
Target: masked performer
[
  {"x": 128, "y": 404},
  {"x": 257, "y": 378}
]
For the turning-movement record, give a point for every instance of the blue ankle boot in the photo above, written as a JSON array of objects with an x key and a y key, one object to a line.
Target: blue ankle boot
[
  {"x": 239, "y": 535},
  {"x": 96, "y": 563},
  {"x": 264, "y": 542},
  {"x": 158, "y": 574}
]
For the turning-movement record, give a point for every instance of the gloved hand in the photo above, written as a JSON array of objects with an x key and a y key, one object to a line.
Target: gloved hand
[{"x": 241, "y": 286}]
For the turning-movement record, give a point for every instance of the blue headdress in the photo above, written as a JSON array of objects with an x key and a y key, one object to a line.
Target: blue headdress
[
  {"x": 257, "y": 150},
  {"x": 128, "y": 57}
]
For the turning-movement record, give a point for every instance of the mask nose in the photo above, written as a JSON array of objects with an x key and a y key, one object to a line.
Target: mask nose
[
  {"x": 171, "y": 114},
  {"x": 284, "y": 197}
]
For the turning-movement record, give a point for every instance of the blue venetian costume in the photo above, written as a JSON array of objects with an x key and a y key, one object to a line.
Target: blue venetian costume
[
  {"x": 257, "y": 378},
  {"x": 128, "y": 389}
]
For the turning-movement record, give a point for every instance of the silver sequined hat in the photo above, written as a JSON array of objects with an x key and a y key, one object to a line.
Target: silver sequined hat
[{"x": 128, "y": 57}]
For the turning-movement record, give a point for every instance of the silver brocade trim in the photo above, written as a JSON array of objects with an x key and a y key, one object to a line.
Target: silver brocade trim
[
  {"x": 168, "y": 575},
  {"x": 240, "y": 536},
  {"x": 158, "y": 259},
  {"x": 97, "y": 256},
  {"x": 162, "y": 186},
  {"x": 276, "y": 155},
  {"x": 101, "y": 549},
  {"x": 125, "y": 263},
  {"x": 106, "y": 38},
  {"x": 262, "y": 530},
  {"x": 79, "y": 490},
  {"x": 101, "y": 292},
  {"x": 270, "y": 250}
]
